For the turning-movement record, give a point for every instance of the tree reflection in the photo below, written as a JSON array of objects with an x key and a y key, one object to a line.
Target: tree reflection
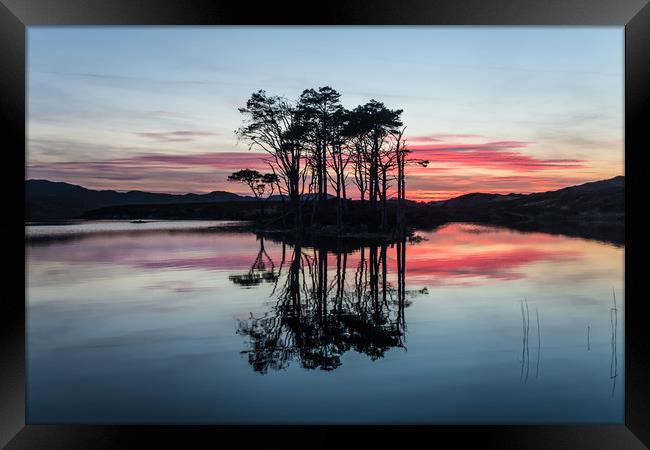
[
  {"x": 321, "y": 312},
  {"x": 261, "y": 270}
]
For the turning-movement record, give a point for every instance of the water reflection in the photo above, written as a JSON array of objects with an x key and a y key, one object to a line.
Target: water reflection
[
  {"x": 150, "y": 326},
  {"x": 539, "y": 343},
  {"x": 525, "y": 348},
  {"x": 613, "y": 367},
  {"x": 316, "y": 319},
  {"x": 262, "y": 269}
]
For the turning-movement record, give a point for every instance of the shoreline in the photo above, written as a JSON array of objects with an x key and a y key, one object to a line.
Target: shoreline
[{"x": 609, "y": 233}]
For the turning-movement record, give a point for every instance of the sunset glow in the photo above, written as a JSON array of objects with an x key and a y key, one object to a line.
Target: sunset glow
[{"x": 493, "y": 109}]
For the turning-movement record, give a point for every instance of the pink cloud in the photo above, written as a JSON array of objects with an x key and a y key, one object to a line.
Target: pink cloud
[
  {"x": 445, "y": 177},
  {"x": 218, "y": 160},
  {"x": 492, "y": 155},
  {"x": 156, "y": 172},
  {"x": 422, "y": 186}
]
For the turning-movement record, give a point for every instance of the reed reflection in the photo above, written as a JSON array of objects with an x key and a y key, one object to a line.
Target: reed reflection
[
  {"x": 321, "y": 312},
  {"x": 613, "y": 368}
]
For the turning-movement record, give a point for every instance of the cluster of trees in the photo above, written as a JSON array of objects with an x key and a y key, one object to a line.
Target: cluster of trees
[{"x": 318, "y": 148}]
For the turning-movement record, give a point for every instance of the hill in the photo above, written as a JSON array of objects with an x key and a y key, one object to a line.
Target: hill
[
  {"x": 598, "y": 201},
  {"x": 46, "y": 200},
  {"x": 596, "y": 209}
]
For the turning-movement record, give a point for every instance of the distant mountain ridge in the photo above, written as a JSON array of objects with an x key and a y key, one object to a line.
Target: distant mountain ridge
[
  {"x": 615, "y": 185},
  {"x": 57, "y": 200},
  {"x": 597, "y": 204},
  {"x": 594, "y": 203},
  {"x": 46, "y": 200}
]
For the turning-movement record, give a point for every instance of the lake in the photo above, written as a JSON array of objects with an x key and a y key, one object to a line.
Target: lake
[{"x": 171, "y": 323}]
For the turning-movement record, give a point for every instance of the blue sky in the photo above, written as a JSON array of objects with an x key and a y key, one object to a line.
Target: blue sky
[{"x": 154, "y": 108}]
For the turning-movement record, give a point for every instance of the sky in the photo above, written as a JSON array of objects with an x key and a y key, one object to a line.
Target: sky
[{"x": 495, "y": 109}]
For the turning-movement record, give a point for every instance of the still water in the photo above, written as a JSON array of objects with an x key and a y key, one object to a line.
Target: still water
[{"x": 472, "y": 324}]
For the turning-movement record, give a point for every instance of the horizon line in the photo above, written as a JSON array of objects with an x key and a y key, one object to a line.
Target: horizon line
[{"x": 124, "y": 191}]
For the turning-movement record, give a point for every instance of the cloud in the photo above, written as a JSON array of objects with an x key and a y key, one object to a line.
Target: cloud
[
  {"x": 500, "y": 155},
  {"x": 442, "y": 137},
  {"x": 456, "y": 168},
  {"x": 443, "y": 186},
  {"x": 158, "y": 172},
  {"x": 175, "y": 136},
  {"x": 129, "y": 78},
  {"x": 492, "y": 159},
  {"x": 218, "y": 160},
  {"x": 142, "y": 162},
  {"x": 161, "y": 113},
  {"x": 463, "y": 163}
]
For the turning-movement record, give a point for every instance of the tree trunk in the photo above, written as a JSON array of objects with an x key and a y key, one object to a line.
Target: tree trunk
[
  {"x": 399, "y": 216},
  {"x": 384, "y": 213},
  {"x": 339, "y": 211},
  {"x": 298, "y": 212},
  {"x": 384, "y": 282},
  {"x": 323, "y": 164}
]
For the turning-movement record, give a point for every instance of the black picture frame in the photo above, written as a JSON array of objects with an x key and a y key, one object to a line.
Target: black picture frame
[{"x": 16, "y": 15}]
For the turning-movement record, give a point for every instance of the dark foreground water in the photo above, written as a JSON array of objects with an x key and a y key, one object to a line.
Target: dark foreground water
[{"x": 472, "y": 325}]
